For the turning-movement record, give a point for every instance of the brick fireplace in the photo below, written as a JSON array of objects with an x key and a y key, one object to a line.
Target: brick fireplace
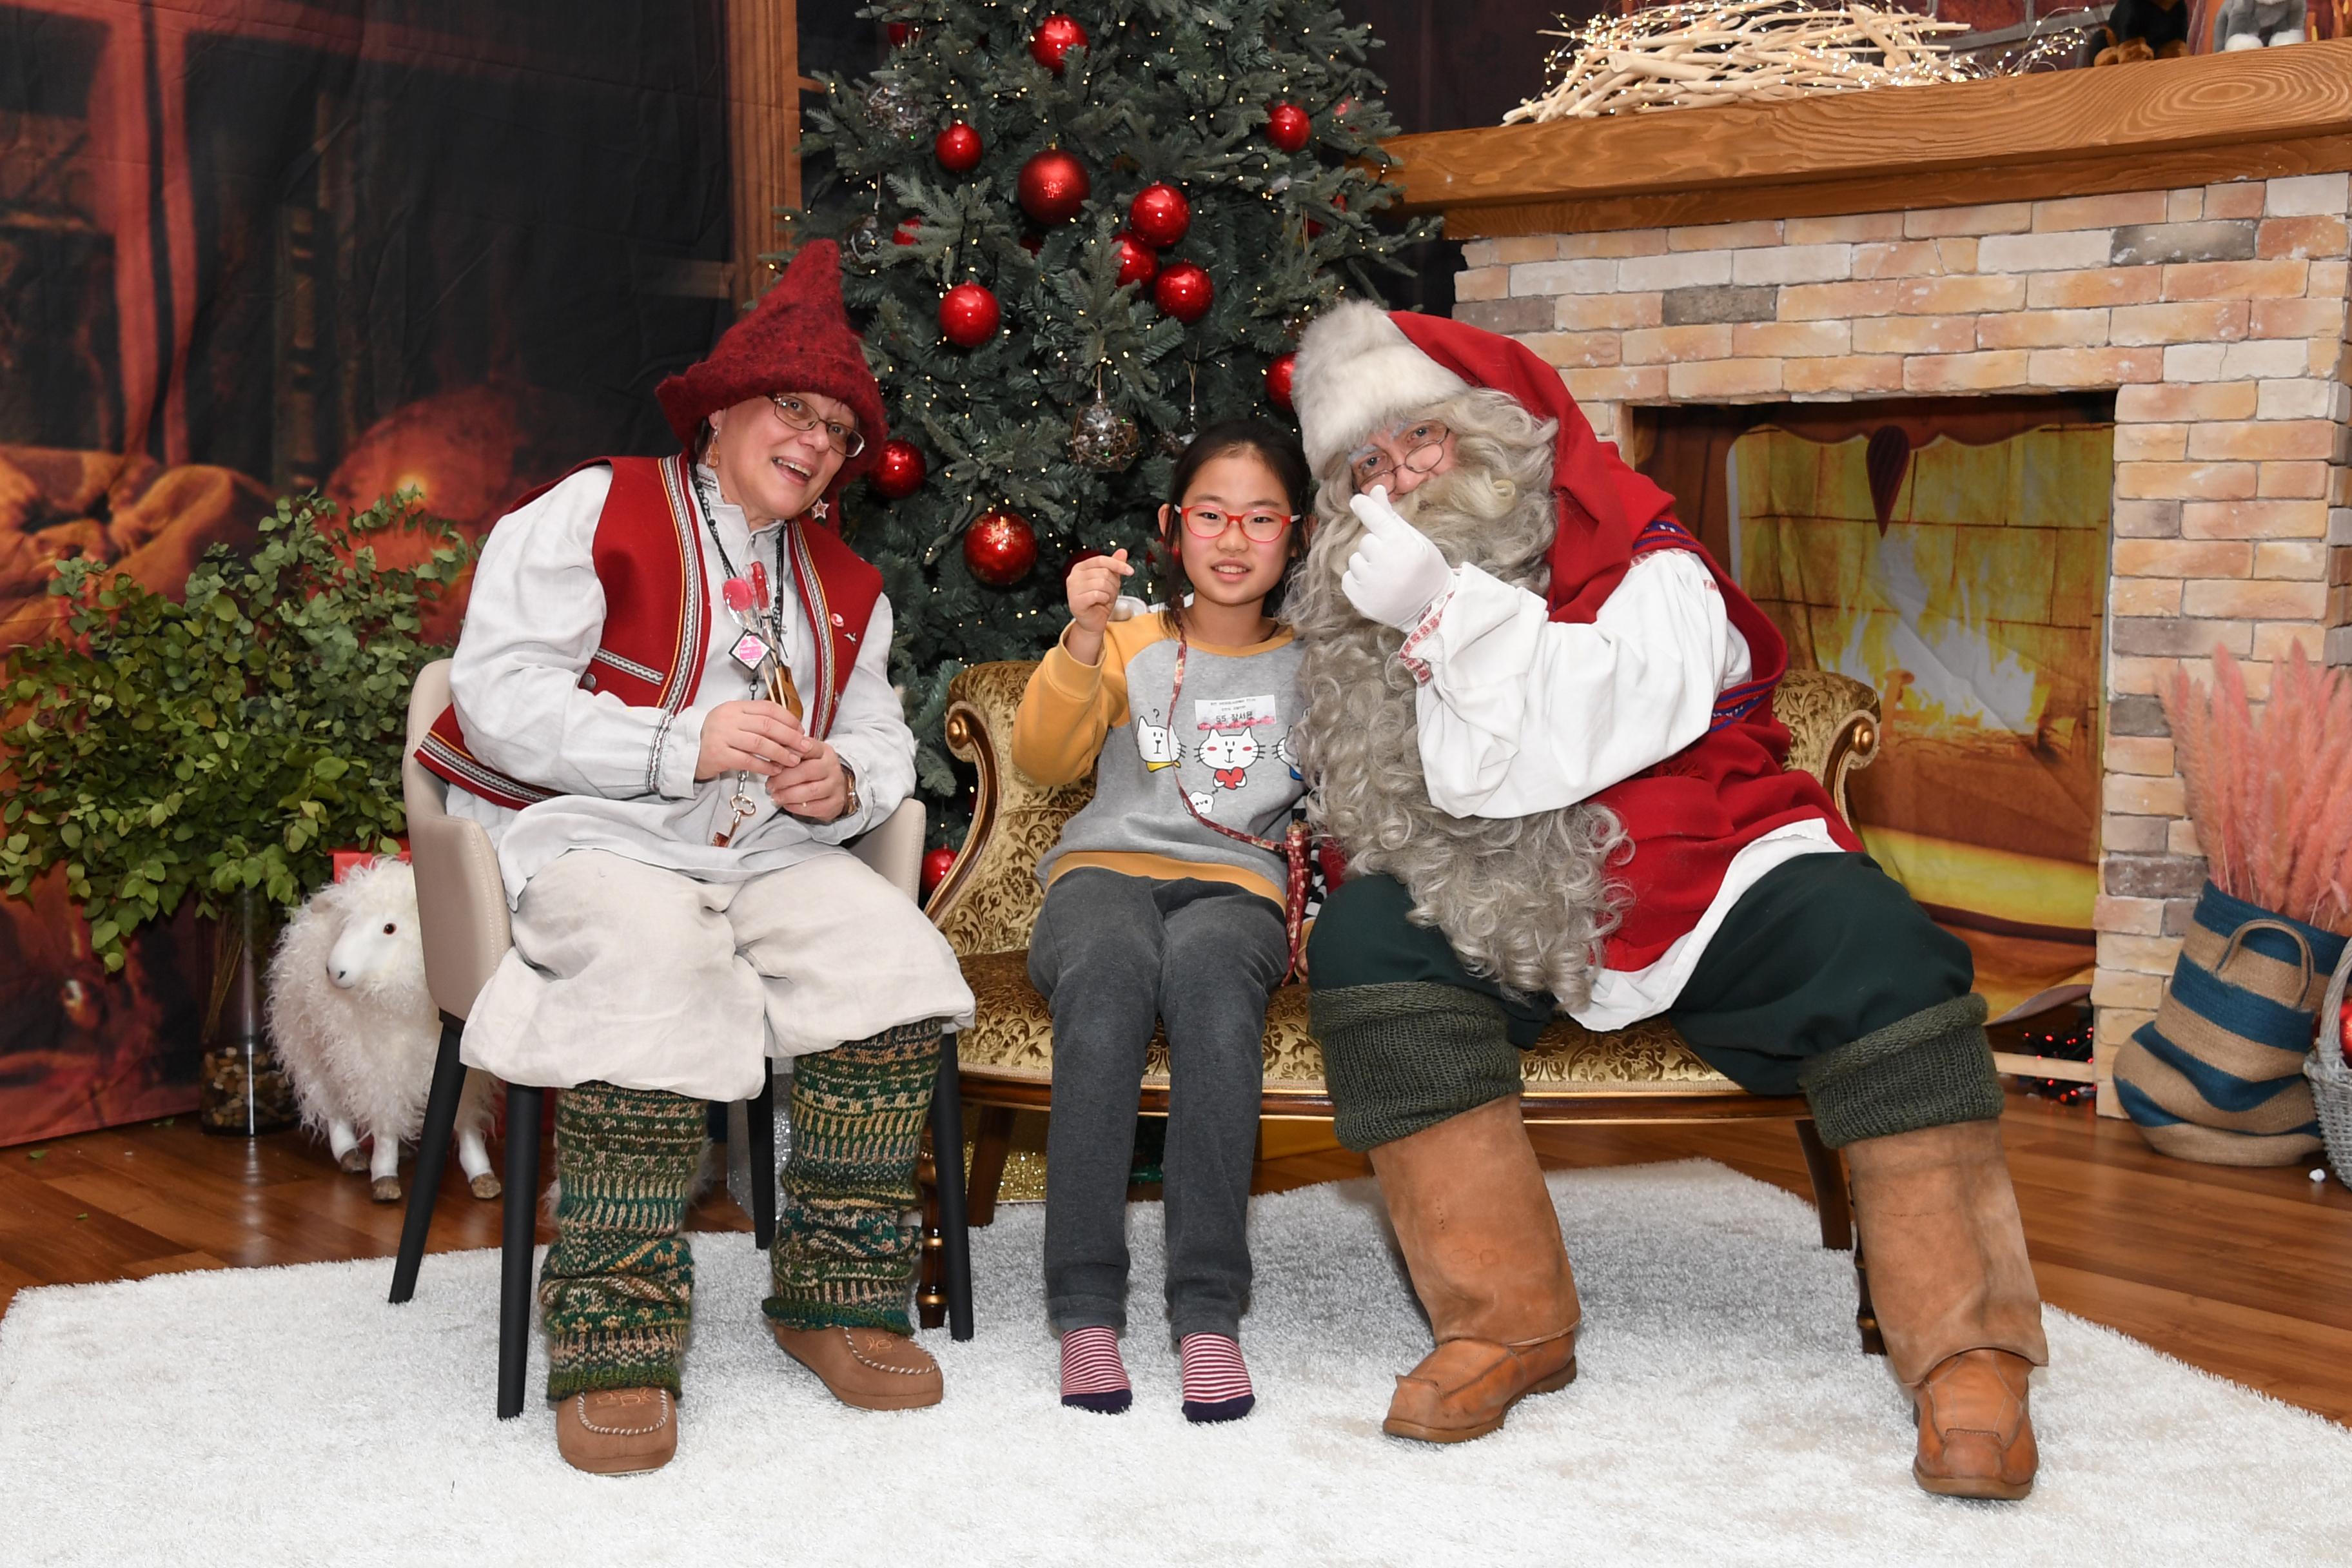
[{"x": 2203, "y": 287}]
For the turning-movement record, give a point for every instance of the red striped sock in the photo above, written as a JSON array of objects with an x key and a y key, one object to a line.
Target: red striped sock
[
  {"x": 1093, "y": 1377},
  {"x": 1216, "y": 1379}
]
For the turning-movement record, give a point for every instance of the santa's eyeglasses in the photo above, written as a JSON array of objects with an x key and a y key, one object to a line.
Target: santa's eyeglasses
[
  {"x": 798, "y": 415},
  {"x": 1423, "y": 444},
  {"x": 1211, "y": 523}
]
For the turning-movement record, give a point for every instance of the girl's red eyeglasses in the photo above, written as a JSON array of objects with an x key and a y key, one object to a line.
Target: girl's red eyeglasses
[{"x": 1211, "y": 523}]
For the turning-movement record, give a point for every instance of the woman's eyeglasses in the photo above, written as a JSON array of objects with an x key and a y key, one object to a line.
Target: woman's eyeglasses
[
  {"x": 1211, "y": 523},
  {"x": 1423, "y": 446},
  {"x": 843, "y": 439}
]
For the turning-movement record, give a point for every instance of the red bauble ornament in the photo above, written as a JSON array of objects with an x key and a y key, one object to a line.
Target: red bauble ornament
[
  {"x": 1055, "y": 37},
  {"x": 1159, "y": 215},
  {"x": 900, "y": 469},
  {"x": 958, "y": 149},
  {"x": 1183, "y": 291},
  {"x": 1288, "y": 126},
  {"x": 1053, "y": 186},
  {"x": 905, "y": 233},
  {"x": 1314, "y": 228},
  {"x": 905, "y": 33},
  {"x": 1137, "y": 262},
  {"x": 968, "y": 315},
  {"x": 937, "y": 863},
  {"x": 999, "y": 548},
  {"x": 1278, "y": 371},
  {"x": 2344, "y": 1024}
]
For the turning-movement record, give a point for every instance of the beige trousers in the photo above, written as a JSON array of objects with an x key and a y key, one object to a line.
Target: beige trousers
[{"x": 649, "y": 979}]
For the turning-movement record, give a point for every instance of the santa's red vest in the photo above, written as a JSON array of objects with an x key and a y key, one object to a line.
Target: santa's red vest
[
  {"x": 648, "y": 559},
  {"x": 1687, "y": 817}
]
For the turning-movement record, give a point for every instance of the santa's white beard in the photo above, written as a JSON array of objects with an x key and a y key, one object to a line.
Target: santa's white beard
[{"x": 1524, "y": 900}]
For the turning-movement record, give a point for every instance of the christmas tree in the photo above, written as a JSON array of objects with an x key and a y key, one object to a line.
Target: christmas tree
[{"x": 1071, "y": 239}]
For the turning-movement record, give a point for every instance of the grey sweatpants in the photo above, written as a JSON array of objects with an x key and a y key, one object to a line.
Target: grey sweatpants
[{"x": 1112, "y": 955}]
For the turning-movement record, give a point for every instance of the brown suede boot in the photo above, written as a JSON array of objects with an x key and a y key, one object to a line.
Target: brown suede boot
[
  {"x": 1483, "y": 1246},
  {"x": 617, "y": 1431},
  {"x": 1945, "y": 1254}
]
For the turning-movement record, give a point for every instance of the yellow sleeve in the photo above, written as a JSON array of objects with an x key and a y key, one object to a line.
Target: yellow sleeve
[{"x": 1068, "y": 710}]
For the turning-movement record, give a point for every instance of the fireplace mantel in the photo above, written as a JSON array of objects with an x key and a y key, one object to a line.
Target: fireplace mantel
[{"x": 2253, "y": 114}]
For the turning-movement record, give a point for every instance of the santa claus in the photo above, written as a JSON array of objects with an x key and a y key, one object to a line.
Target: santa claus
[{"x": 1541, "y": 726}]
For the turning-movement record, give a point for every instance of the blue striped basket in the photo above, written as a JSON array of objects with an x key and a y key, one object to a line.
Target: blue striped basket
[{"x": 2218, "y": 1074}]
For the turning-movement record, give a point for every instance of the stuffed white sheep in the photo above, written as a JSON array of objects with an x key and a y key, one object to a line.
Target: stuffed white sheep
[{"x": 358, "y": 1031}]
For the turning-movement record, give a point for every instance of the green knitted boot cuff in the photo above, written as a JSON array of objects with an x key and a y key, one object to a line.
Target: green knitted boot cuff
[
  {"x": 585, "y": 1362},
  {"x": 1930, "y": 1069},
  {"x": 1401, "y": 1058},
  {"x": 843, "y": 1254}
]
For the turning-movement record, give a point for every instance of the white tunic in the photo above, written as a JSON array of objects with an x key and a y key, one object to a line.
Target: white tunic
[
  {"x": 1518, "y": 713},
  {"x": 645, "y": 955},
  {"x": 532, "y": 622}
]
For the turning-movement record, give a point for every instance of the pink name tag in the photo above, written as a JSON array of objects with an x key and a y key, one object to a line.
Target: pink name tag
[{"x": 749, "y": 649}]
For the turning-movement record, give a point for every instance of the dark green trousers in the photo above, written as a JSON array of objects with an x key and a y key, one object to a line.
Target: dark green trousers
[{"x": 1825, "y": 978}]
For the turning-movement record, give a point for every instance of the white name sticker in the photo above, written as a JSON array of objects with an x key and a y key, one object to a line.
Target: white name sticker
[{"x": 1233, "y": 713}]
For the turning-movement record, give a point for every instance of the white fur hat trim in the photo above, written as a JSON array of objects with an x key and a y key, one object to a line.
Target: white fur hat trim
[{"x": 1356, "y": 371}]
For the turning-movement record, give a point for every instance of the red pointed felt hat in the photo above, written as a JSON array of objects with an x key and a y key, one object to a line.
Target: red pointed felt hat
[{"x": 796, "y": 338}]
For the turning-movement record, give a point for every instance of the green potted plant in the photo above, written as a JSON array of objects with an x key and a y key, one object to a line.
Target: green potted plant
[{"x": 222, "y": 745}]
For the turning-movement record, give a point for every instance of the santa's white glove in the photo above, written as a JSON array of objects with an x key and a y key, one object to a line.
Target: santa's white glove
[{"x": 1395, "y": 571}]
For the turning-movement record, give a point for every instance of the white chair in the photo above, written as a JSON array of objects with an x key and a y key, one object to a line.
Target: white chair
[{"x": 462, "y": 918}]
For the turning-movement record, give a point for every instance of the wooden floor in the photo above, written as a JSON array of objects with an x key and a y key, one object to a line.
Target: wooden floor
[{"x": 2245, "y": 1273}]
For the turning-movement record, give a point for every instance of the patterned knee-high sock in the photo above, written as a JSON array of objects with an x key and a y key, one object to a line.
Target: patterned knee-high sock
[
  {"x": 617, "y": 1287},
  {"x": 1093, "y": 1377},
  {"x": 844, "y": 1254},
  {"x": 1216, "y": 1379}
]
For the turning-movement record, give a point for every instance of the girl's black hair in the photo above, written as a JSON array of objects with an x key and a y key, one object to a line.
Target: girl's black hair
[{"x": 1279, "y": 451}]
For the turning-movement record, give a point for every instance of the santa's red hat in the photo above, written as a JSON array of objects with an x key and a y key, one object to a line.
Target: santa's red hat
[
  {"x": 796, "y": 338},
  {"x": 1361, "y": 370}
]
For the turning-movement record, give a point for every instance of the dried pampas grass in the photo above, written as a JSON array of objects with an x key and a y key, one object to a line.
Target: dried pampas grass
[{"x": 2270, "y": 795}]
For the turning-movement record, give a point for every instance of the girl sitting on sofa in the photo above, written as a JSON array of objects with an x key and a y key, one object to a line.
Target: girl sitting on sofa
[{"x": 1173, "y": 896}]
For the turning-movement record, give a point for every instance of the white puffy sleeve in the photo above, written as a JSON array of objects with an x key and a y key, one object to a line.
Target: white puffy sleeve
[
  {"x": 1520, "y": 714},
  {"x": 533, "y": 620}
]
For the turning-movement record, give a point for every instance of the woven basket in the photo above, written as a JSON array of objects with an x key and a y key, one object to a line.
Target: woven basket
[
  {"x": 2217, "y": 1075},
  {"x": 2331, "y": 1077}
]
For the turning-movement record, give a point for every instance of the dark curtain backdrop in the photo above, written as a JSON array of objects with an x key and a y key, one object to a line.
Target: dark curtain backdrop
[
  {"x": 358, "y": 244},
  {"x": 349, "y": 245}
]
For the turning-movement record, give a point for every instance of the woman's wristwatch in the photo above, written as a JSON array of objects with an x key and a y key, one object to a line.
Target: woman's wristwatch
[{"x": 850, "y": 804}]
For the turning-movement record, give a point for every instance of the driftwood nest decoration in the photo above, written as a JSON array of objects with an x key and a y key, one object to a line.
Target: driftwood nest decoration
[{"x": 1692, "y": 56}]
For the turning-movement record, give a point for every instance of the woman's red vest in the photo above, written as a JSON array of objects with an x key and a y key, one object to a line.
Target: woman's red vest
[{"x": 648, "y": 559}]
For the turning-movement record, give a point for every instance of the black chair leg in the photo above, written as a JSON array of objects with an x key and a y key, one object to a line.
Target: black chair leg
[
  {"x": 431, "y": 1154},
  {"x": 947, "y": 1161},
  {"x": 517, "y": 1235},
  {"x": 760, "y": 1121}
]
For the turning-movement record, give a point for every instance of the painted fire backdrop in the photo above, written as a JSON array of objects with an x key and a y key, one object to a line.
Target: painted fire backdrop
[
  {"x": 1954, "y": 557},
  {"x": 249, "y": 246}
]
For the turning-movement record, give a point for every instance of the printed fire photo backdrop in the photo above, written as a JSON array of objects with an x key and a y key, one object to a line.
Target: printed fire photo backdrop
[
  {"x": 1953, "y": 558},
  {"x": 248, "y": 250}
]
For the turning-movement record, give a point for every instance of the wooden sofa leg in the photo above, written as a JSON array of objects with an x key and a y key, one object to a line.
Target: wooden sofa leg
[
  {"x": 991, "y": 1143},
  {"x": 1865, "y": 1316},
  {"x": 931, "y": 1279},
  {"x": 1831, "y": 1201}
]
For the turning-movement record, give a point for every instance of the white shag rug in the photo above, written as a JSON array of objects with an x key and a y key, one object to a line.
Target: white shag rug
[{"x": 1724, "y": 1417}]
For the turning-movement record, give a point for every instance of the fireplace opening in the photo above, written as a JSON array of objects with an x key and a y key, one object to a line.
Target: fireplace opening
[{"x": 1952, "y": 554}]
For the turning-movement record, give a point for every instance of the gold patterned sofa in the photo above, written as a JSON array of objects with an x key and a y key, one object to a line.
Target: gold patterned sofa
[{"x": 990, "y": 898}]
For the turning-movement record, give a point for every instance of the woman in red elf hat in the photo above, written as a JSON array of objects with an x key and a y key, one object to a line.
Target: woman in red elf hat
[
  {"x": 1539, "y": 721},
  {"x": 671, "y": 710}
]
